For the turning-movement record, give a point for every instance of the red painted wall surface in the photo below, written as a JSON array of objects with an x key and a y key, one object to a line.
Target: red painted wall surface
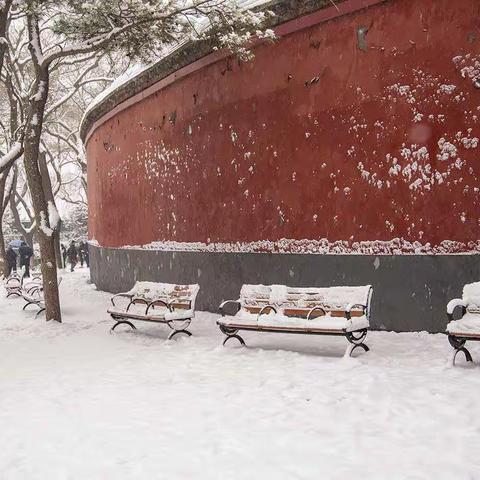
[{"x": 313, "y": 139}]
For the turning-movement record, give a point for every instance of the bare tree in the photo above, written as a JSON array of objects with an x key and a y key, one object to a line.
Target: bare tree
[{"x": 72, "y": 32}]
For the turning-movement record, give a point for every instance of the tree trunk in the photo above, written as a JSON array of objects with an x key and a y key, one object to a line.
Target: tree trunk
[
  {"x": 40, "y": 207},
  {"x": 26, "y": 234},
  {"x": 34, "y": 125},
  {"x": 3, "y": 253},
  {"x": 4, "y": 22},
  {"x": 50, "y": 198}
]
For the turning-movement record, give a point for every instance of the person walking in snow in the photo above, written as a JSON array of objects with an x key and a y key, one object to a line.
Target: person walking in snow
[
  {"x": 81, "y": 255},
  {"x": 72, "y": 255},
  {"x": 64, "y": 255},
  {"x": 83, "y": 252},
  {"x": 87, "y": 255},
  {"x": 11, "y": 260},
  {"x": 25, "y": 251}
]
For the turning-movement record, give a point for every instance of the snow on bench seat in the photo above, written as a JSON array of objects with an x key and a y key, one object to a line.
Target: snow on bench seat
[
  {"x": 325, "y": 323},
  {"x": 279, "y": 308},
  {"x": 168, "y": 303},
  {"x": 468, "y": 324},
  {"x": 161, "y": 317},
  {"x": 467, "y": 327}
]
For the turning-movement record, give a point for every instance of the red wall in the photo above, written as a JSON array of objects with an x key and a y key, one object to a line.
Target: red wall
[{"x": 263, "y": 151}]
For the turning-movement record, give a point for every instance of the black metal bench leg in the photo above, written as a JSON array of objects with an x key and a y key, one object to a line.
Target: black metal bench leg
[
  {"x": 120, "y": 322},
  {"x": 356, "y": 341},
  {"x": 176, "y": 332},
  {"x": 352, "y": 348},
  {"x": 39, "y": 312},
  {"x": 231, "y": 333},
  {"x": 468, "y": 357},
  {"x": 238, "y": 337},
  {"x": 27, "y": 304},
  {"x": 459, "y": 346}
]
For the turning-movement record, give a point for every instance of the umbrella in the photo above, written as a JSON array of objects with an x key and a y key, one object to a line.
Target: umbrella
[{"x": 15, "y": 243}]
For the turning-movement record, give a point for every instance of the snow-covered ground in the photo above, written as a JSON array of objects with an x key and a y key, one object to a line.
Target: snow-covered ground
[{"x": 78, "y": 403}]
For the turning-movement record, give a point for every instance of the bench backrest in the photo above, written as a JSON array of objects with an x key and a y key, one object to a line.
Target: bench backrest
[
  {"x": 179, "y": 296},
  {"x": 471, "y": 294},
  {"x": 294, "y": 301}
]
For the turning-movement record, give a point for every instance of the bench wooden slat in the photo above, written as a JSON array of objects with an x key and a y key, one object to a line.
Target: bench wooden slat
[
  {"x": 294, "y": 312},
  {"x": 281, "y": 328}
]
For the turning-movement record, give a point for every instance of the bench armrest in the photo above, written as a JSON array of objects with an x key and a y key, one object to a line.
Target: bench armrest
[
  {"x": 137, "y": 300},
  {"x": 314, "y": 309},
  {"x": 16, "y": 280},
  {"x": 124, "y": 295},
  {"x": 349, "y": 308},
  {"x": 33, "y": 288},
  {"x": 264, "y": 309},
  {"x": 453, "y": 304},
  {"x": 156, "y": 302},
  {"x": 226, "y": 302}
]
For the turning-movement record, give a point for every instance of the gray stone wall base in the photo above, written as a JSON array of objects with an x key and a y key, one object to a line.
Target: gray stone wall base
[{"x": 410, "y": 292}]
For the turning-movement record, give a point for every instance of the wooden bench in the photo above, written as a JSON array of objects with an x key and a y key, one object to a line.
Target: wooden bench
[
  {"x": 167, "y": 303},
  {"x": 467, "y": 326},
  {"x": 342, "y": 311}
]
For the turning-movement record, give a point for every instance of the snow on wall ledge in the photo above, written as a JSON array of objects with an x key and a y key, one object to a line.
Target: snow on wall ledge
[
  {"x": 396, "y": 246},
  {"x": 363, "y": 130}
]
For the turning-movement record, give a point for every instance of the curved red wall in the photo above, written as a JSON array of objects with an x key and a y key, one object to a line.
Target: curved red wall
[{"x": 314, "y": 139}]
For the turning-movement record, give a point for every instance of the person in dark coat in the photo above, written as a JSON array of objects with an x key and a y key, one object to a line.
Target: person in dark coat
[
  {"x": 11, "y": 260},
  {"x": 64, "y": 255},
  {"x": 25, "y": 251},
  {"x": 72, "y": 255},
  {"x": 81, "y": 254},
  {"x": 86, "y": 254}
]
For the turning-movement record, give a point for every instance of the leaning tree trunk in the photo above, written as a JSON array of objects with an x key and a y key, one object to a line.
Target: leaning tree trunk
[
  {"x": 33, "y": 132},
  {"x": 40, "y": 205}
]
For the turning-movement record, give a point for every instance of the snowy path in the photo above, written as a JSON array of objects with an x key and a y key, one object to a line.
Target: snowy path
[{"x": 78, "y": 403}]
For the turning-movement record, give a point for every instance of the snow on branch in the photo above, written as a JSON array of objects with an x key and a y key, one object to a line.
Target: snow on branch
[
  {"x": 11, "y": 156},
  {"x": 53, "y": 216},
  {"x": 44, "y": 224}
]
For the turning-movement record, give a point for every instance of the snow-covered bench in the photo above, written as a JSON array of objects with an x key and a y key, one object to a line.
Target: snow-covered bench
[
  {"x": 16, "y": 284},
  {"x": 13, "y": 285},
  {"x": 166, "y": 303},
  {"x": 32, "y": 293},
  {"x": 34, "y": 296},
  {"x": 317, "y": 311},
  {"x": 467, "y": 327}
]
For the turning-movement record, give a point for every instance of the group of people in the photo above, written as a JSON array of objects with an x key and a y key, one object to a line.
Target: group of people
[
  {"x": 75, "y": 254},
  {"x": 25, "y": 252}
]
